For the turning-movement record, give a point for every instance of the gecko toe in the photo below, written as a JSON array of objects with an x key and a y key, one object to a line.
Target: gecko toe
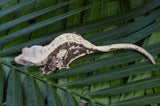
[{"x": 42, "y": 73}]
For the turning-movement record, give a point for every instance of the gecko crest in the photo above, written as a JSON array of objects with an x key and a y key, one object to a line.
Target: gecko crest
[{"x": 66, "y": 48}]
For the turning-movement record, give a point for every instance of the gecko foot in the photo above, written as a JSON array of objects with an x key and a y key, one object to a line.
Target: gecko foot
[
  {"x": 50, "y": 40},
  {"x": 57, "y": 71},
  {"x": 76, "y": 33},
  {"x": 45, "y": 71},
  {"x": 42, "y": 73},
  {"x": 41, "y": 69}
]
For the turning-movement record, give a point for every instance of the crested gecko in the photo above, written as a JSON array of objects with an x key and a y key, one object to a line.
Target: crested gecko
[{"x": 64, "y": 49}]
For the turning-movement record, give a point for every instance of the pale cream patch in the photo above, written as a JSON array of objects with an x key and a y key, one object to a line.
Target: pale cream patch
[
  {"x": 78, "y": 47},
  {"x": 72, "y": 47},
  {"x": 60, "y": 64},
  {"x": 77, "y": 51},
  {"x": 61, "y": 53}
]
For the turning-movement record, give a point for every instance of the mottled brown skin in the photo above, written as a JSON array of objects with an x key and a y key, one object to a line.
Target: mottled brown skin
[{"x": 70, "y": 55}]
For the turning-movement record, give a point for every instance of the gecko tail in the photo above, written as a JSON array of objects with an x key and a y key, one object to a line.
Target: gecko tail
[{"x": 114, "y": 47}]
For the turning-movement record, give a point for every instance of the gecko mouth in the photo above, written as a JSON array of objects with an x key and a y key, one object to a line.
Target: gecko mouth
[{"x": 18, "y": 60}]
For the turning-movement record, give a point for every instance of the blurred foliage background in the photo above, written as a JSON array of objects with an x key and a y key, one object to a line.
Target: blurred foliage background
[{"x": 120, "y": 78}]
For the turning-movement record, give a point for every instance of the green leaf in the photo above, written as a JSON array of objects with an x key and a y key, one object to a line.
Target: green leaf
[
  {"x": 14, "y": 90},
  {"x": 70, "y": 100},
  {"x": 52, "y": 97},
  {"x": 27, "y": 83},
  {"x": 32, "y": 93},
  {"x": 41, "y": 24},
  {"x": 4, "y": 2},
  {"x": 143, "y": 33},
  {"x": 143, "y": 100},
  {"x": 117, "y": 78},
  {"x": 1, "y": 85},
  {"x": 115, "y": 74},
  {"x": 121, "y": 31},
  {"x": 124, "y": 88},
  {"x": 20, "y": 20},
  {"x": 15, "y": 8},
  {"x": 91, "y": 104}
]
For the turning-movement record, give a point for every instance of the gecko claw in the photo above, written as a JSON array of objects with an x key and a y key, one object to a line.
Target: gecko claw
[
  {"x": 75, "y": 32},
  {"x": 41, "y": 69}
]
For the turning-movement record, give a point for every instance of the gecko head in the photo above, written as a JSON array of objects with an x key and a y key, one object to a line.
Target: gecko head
[{"x": 32, "y": 56}]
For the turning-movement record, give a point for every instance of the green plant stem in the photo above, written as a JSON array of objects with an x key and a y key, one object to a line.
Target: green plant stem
[{"x": 51, "y": 83}]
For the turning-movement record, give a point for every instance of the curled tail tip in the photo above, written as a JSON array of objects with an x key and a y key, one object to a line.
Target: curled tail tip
[
  {"x": 154, "y": 62},
  {"x": 151, "y": 58}
]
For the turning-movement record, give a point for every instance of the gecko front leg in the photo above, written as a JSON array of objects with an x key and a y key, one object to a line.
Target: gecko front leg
[
  {"x": 55, "y": 61},
  {"x": 49, "y": 67}
]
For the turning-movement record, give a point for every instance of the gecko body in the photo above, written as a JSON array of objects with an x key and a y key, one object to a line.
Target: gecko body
[{"x": 64, "y": 49}]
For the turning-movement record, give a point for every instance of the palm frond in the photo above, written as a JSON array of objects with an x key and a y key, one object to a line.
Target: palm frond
[{"x": 123, "y": 78}]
